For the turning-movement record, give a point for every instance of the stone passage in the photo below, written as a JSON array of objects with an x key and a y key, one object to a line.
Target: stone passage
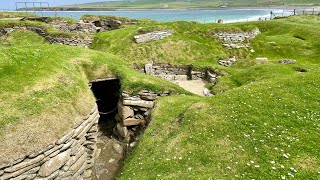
[
  {"x": 153, "y": 36},
  {"x": 110, "y": 151},
  {"x": 69, "y": 158}
]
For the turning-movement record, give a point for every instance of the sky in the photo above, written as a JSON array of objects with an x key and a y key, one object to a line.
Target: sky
[{"x": 10, "y": 4}]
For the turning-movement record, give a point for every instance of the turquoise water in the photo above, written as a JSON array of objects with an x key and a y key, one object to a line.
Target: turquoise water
[{"x": 203, "y": 16}]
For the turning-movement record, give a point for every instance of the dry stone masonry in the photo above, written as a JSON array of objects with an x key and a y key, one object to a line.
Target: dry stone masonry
[
  {"x": 288, "y": 61},
  {"x": 86, "y": 26},
  {"x": 237, "y": 40},
  {"x": 71, "y": 157},
  {"x": 228, "y": 62},
  {"x": 134, "y": 114},
  {"x": 178, "y": 73},
  {"x": 153, "y": 36},
  {"x": 83, "y": 41}
]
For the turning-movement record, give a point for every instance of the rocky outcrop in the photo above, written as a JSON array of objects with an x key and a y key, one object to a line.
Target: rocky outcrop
[
  {"x": 153, "y": 36},
  {"x": 134, "y": 114},
  {"x": 83, "y": 41},
  {"x": 68, "y": 158}
]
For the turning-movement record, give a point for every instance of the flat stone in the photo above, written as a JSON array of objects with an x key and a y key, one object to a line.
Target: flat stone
[
  {"x": 68, "y": 145},
  {"x": 1, "y": 172},
  {"x": 55, "y": 148},
  {"x": 31, "y": 176},
  {"x": 123, "y": 131},
  {"x": 125, "y": 111},
  {"x": 287, "y": 61},
  {"x": 25, "y": 163},
  {"x": 77, "y": 165},
  {"x": 65, "y": 138},
  {"x": 148, "y": 69},
  {"x": 54, "y": 175},
  {"x": 139, "y": 103},
  {"x": 73, "y": 159},
  {"x": 93, "y": 129},
  {"x": 132, "y": 122},
  {"x": 54, "y": 164},
  {"x": 117, "y": 148},
  {"x": 262, "y": 59},
  {"x": 18, "y": 172}
]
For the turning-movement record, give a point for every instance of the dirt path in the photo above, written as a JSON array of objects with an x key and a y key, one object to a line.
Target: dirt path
[{"x": 194, "y": 86}]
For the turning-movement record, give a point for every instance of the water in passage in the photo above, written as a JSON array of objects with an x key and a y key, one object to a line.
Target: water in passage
[{"x": 202, "y": 16}]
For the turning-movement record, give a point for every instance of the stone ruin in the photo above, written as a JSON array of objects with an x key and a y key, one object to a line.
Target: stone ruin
[
  {"x": 288, "y": 61},
  {"x": 83, "y": 41},
  {"x": 134, "y": 115},
  {"x": 228, "y": 62},
  {"x": 178, "y": 73},
  {"x": 70, "y": 157},
  {"x": 237, "y": 40},
  {"x": 86, "y": 26},
  {"x": 153, "y": 36}
]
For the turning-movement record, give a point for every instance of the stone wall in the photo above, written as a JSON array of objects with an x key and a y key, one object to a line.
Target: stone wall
[
  {"x": 153, "y": 36},
  {"x": 84, "y": 41},
  {"x": 237, "y": 40},
  {"x": 134, "y": 114},
  {"x": 86, "y": 26},
  {"x": 71, "y": 157},
  {"x": 178, "y": 73},
  {"x": 237, "y": 37}
]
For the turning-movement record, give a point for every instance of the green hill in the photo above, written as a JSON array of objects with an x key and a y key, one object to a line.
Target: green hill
[
  {"x": 262, "y": 123},
  {"x": 199, "y": 3}
]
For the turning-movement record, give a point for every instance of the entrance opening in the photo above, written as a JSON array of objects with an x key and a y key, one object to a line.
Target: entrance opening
[
  {"x": 107, "y": 93},
  {"x": 109, "y": 153}
]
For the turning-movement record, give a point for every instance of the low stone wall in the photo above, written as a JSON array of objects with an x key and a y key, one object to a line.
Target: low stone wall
[
  {"x": 237, "y": 40},
  {"x": 237, "y": 37},
  {"x": 134, "y": 114},
  {"x": 71, "y": 157},
  {"x": 178, "y": 73},
  {"x": 153, "y": 36},
  {"x": 79, "y": 27},
  {"x": 86, "y": 26},
  {"x": 71, "y": 41}
]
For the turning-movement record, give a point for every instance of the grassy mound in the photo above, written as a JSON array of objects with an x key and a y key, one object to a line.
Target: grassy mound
[
  {"x": 44, "y": 89},
  {"x": 263, "y": 122}
]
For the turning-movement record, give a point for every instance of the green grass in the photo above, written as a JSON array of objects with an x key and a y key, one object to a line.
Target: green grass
[
  {"x": 262, "y": 113},
  {"x": 263, "y": 123},
  {"x": 165, "y": 4}
]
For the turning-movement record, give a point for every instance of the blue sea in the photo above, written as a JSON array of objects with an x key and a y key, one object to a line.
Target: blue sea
[{"x": 198, "y": 15}]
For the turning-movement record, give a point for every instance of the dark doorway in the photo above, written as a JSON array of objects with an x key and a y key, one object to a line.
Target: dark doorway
[{"x": 107, "y": 94}]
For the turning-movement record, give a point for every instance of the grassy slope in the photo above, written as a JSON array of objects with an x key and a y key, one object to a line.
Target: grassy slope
[
  {"x": 198, "y": 3},
  {"x": 268, "y": 111},
  {"x": 45, "y": 86}
]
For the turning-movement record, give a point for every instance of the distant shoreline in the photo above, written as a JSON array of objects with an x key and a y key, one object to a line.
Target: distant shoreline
[{"x": 169, "y": 9}]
